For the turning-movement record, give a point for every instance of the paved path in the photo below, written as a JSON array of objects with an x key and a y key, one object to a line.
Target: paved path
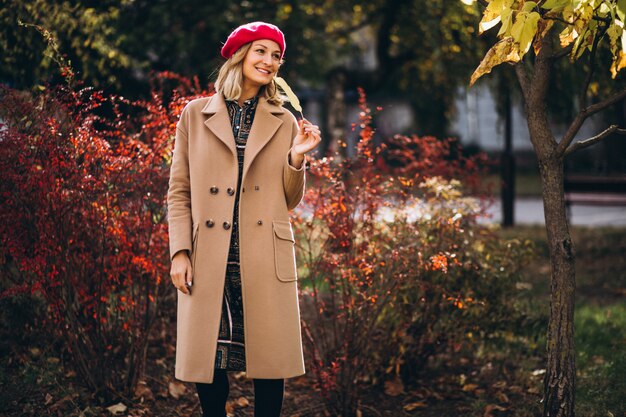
[{"x": 530, "y": 211}]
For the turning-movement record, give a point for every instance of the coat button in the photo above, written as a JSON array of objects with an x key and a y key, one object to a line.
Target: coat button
[
  {"x": 226, "y": 225},
  {"x": 260, "y": 222},
  {"x": 210, "y": 223},
  {"x": 214, "y": 190},
  {"x": 230, "y": 191}
]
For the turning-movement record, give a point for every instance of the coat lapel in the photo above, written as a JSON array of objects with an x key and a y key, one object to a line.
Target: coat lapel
[
  {"x": 219, "y": 123},
  {"x": 264, "y": 127}
]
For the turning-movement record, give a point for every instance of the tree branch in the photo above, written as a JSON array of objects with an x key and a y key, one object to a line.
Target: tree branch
[
  {"x": 583, "y": 115},
  {"x": 563, "y": 52},
  {"x": 595, "y": 139}
]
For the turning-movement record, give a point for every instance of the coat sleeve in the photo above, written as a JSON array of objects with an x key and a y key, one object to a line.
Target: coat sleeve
[
  {"x": 293, "y": 179},
  {"x": 179, "y": 192}
]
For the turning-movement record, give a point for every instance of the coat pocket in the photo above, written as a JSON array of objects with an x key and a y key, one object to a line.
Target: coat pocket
[
  {"x": 284, "y": 251},
  {"x": 194, "y": 246}
]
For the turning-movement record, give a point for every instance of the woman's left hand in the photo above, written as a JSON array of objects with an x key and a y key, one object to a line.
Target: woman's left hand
[{"x": 308, "y": 138}]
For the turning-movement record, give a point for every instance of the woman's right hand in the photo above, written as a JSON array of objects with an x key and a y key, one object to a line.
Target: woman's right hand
[{"x": 181, "y": 271}]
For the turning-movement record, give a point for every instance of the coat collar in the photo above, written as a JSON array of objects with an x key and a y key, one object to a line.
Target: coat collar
[{"x": 264, "y": 126}]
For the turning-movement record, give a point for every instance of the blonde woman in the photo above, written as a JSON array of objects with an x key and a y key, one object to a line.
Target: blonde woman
[{"x": 238, "y": 167}]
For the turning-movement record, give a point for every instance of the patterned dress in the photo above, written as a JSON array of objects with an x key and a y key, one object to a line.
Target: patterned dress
[{"x": 231, "y": 353}]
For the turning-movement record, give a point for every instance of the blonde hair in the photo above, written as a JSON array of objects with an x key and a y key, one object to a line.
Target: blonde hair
[{"x": 230, "y": 79}]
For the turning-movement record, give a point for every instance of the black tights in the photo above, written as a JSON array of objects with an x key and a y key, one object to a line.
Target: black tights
[{"x": 268, "y": 396}]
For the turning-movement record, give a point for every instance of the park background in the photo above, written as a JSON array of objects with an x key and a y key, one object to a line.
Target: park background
[{"x": 463, "y": 332}]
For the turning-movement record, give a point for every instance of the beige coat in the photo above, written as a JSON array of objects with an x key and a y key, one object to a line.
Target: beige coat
[{"x": 201, "y": 200}]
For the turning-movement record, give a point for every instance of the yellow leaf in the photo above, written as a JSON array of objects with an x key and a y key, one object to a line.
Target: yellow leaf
[
  {"x": 524, "y": 29},
  {"x": 528, "y": 6},
  {"x": 614, "y": 32},
  {"x": 503, "y": 51},
  {"x": 484, "y": 26},
  {"x": 621, "y": 9},
  {"x": 493, "y": 14},
  {"x": 507, "y": 19},
  {"x": 543, "y": 27},
  {"x": 293, "y": 99},
  {"x": 528, "y": 32},
  {"x": 554, "y": 4},
  {"x": 618, "y": 64},
  {"x": 567, "y": 36}
]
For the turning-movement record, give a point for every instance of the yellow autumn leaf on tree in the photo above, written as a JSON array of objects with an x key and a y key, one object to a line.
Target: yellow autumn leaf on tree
[
  {"x": 504, "y": 50},
  {"x": 493, "y": 14},
  {"x": 614, "y": 32},
  {"x": 620, "y": 9},
  {"x": 618, "y": 64},
  {"x": 543, "y": 27},
  {"x": 555, "y": 4},
  {"x": 507, "y": 21},
  {"x": 567, "y": 36},
  {"x": 524, "y": 29}
]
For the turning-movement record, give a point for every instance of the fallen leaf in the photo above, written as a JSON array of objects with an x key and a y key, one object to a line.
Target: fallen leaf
[
  {"x": 176, "y": 389},
  {"x": 394, "y": 387},
  {"x": 491, "y": 408},
  {"x": 413, "y": 406},
  {"x": 48, "y": 399},
  {"x": 117, "y": 408},
  {"x": 143, "y": 391},
  {"x": 470, "y": 387},
  {"x": 502, "y": 397}
]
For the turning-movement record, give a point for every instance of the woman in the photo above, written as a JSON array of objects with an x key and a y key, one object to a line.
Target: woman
[{"x": 237, "y": 169}]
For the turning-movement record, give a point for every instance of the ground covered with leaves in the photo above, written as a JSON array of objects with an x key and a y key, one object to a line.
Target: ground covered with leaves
[{"x": 500, "y": 379}]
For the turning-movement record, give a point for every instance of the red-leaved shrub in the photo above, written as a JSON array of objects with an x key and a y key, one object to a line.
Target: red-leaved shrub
[
  {"x": 393, "y": 262},
  {"x": 82, "y": 208}
]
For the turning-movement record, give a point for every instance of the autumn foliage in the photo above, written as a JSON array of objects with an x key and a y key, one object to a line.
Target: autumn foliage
[
  {"x": 84, "y": 179},
  {"x": 395, "y": 267}
]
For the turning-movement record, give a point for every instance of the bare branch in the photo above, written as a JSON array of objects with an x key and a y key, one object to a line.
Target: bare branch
[
  {"x": 583, "y": 115},
  {"x": 595, "y": 139}
]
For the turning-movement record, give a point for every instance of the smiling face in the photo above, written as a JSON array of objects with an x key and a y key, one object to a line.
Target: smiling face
[{"x": 260, "y": 64}]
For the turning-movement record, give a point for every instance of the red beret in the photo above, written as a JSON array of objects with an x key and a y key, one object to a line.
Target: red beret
[{"x": 252, "y": 32}]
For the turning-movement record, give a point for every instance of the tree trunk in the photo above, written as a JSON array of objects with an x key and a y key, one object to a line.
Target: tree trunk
[
  {"x": 560, "y": 377},
  {"x": 335, "y": 125},
  {"x": 559, "y": 383}
]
